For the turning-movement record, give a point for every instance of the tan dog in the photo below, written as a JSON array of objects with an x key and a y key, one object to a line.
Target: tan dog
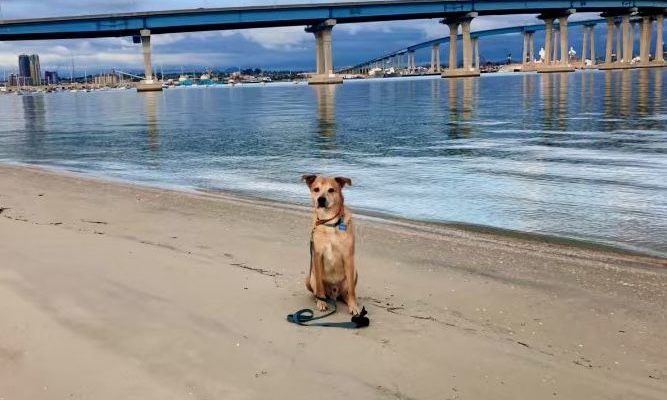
[{"x": 332, "y": 271}]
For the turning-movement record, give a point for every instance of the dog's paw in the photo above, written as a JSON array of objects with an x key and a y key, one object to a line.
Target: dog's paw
[
  {"x": 353, "y": 308},
  {"x": 322, "y": 305}
]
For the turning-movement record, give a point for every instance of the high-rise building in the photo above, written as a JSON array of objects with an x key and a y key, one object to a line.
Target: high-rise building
[
  {"x": 29, "y": 69},
  {"x": 13, "y": 80},
  {"x": 51, "y": 77},
  {"x": 24, "y": 67},
  {"x": 35, "y": 70}
]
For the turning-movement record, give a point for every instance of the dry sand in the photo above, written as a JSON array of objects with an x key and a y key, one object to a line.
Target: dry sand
[{"x": 111, "y": 291}]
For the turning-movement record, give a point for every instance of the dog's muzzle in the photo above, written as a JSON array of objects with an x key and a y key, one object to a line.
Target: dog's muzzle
[{"x": 321, "y": 202}]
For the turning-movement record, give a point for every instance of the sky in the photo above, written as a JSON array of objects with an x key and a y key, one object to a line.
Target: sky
[{"x": 288, "y": 48}]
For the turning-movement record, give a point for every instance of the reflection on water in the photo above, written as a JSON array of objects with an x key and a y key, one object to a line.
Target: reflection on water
[
  {"x": 555, "y": 100},
  {"x": 657, "y": 88},
  {"x": 580, "y": 155},
  {"x": 462, "y": 105},
  {"x": 34, "y": 113},
  {"x": 626, "y": 93},
  {"x": 151, "y": 99},
  {"x": 34, "y": 116},
  {"x": 326, "y": 109}
]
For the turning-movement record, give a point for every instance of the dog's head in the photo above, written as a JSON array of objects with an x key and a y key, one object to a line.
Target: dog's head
[{"x": 326, "y": 192}]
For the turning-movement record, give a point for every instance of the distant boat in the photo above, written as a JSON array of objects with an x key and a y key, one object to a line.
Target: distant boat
[
  {"x": 184, "y": 80},
  {"x": 205, "y": 79}
]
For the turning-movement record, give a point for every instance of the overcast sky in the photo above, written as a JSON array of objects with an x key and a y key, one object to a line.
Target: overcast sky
[{"x": 286, "y": 48}]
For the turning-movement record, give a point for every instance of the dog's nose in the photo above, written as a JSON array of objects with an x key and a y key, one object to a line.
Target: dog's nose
[{"x": 321, "y": 202}]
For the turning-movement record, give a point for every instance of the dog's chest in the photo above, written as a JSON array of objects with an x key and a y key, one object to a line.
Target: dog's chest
[{"x": 333, "y": 263}]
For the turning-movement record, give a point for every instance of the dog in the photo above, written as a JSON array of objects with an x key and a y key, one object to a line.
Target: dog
[{"x": 332, "y": 271}]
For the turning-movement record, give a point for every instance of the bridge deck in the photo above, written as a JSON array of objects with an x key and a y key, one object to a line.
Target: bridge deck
[{"x": 110, "y": 25}]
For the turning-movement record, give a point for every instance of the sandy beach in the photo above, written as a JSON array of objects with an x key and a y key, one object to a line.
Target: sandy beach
[{"x": 116, "y": 291}]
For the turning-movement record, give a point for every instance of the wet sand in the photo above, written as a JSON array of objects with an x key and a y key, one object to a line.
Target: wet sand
[{"x": 112, "y": 291}]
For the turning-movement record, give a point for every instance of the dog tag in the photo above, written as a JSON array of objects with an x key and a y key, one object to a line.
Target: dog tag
[{"x": 342, "y": 226}]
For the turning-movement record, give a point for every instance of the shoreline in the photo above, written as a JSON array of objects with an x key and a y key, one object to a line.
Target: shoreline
[
  {"x": 432, "y": 226},
  {"x": 111, "y": 290}
]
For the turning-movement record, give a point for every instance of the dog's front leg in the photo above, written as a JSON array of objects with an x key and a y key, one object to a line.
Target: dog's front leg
[
  {"x": 351, "y": 283},
  {"x": 317, "y": 281}
]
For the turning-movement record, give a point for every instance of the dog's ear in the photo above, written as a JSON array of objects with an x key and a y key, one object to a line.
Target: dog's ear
[
  {"x": 342, "y": 181},
  {"x": 309, "y": 179}
]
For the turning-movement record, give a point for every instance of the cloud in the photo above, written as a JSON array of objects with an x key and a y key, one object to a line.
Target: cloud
[{"x": 287, "y": 39}]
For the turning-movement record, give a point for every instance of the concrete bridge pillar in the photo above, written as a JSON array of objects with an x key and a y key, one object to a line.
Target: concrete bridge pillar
[
  {"x": 633, "y": 34},
  {"x": 619, "y": 42},
  {"x": 564, "y": 44},
  {"x": 411, "y": 61},
  {"x": 589, "y": 39},
  {"x": 584, "y": 47},
  {"x": 467, "y": 44},
  {"x": 554, "y": 41},
  {"x": 453, "y": 39},
  {"x": 659, "y": 40},
  {"x": 528, "y": 51},
  {"x": 591, "y": 31},
  {"x": 435, "y": 58},
  {"x": 610, "y": 40},
  {"x": 324, "y": 73},
  {"x": 531, "y": 47},
  {"x": 475, "y": 42},
  {"x": 548, "y": 39},
  {"x": 147, "y": 84},
  {"x": 554, "y": 56},
  {"x": 146, "y": 46},
  {"x": 625, "y": 23},
  {"x": 645, "y": 39},
  {"x": 467, "y": 69}
]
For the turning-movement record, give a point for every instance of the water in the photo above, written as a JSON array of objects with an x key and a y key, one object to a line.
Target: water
[{"x": 581, "y": 155}]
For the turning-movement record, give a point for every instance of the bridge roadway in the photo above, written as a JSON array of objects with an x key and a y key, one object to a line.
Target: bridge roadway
[{"x": 205, "y": 19}]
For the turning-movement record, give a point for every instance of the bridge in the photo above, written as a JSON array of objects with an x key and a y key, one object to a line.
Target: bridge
[
  {"x": 397, "y": 54},
  {"x": 320, "y": 19}
]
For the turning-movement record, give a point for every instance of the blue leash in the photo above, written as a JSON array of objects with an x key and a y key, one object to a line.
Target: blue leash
[{"x": 306, "y": 316}]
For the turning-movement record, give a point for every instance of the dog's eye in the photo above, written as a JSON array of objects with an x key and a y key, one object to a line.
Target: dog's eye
[
  {"x": 316, "y": 190},
  {"x": 331, "y": 190}
]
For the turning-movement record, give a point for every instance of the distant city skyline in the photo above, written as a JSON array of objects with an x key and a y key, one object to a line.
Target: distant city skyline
[{"x": 271, "y": 48}]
